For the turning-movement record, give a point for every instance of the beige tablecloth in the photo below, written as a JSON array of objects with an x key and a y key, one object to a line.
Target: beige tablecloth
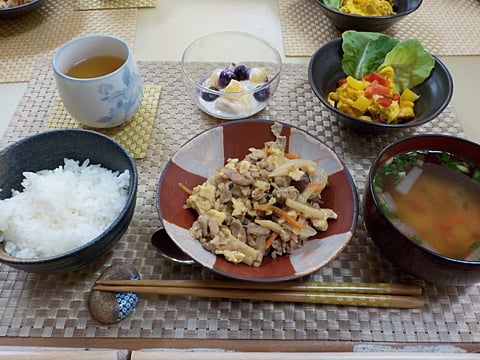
[{"x": 56, "y": 305}]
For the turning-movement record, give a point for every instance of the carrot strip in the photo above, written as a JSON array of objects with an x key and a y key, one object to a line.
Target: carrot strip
[
  {"x": 279, "y": 212},
  {"x": 451, "y": 220},
  {"x": 270, "y": 240},
  {"x": 416, "y": 205},
  {"x": 286, "y": 216},
  {"x": 317, "y": 187},
  {"x": 292, "y": 156},
  {"x": 185, "y": 189}
]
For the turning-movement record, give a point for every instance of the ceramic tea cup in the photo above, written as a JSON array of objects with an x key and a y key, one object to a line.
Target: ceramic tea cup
[{"x": 98, "y": 80}]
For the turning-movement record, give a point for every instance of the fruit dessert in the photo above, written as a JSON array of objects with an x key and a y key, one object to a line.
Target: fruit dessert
[{"x": 234, "y": 91}]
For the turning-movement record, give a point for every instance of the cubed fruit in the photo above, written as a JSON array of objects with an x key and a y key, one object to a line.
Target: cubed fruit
[
  {"x": 262, "y": 94},
  {"x": 234, "y": 87},
  {"x": 214, "y": 77},
  {"x": 209, "y": 96},
  {"x": 241, "y": 73},
  {"x": 225, "y": 77},
  {"x": 258, "y": 74}
]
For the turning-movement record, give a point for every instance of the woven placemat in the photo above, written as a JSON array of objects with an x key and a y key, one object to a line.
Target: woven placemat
[
  {"x": 113, "y": 4},
  {"x": 134, "y": 135},
  {"x": 444, "y": 27},
  {"x": 38, "y": 34},
  {"x": 56, "y": 305}
]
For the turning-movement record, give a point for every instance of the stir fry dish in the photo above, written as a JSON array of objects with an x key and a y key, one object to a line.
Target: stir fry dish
[{"x": 267, "y": 204}]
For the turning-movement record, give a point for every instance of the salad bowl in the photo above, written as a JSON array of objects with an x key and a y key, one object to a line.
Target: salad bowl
[
  {"x": 326, "y": 69},
  {"x": 197, "y": 159},
  {"x": 344, "y": 21}
]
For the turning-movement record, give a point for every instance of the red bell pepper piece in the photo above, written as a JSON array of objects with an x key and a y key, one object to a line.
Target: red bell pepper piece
[
  {"x": 376, "y": 76},
  {"x": 376, "y": 89},
  {"x": 385, "y": 102}
]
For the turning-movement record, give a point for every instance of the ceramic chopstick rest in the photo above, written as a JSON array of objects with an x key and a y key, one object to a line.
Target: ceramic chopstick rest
[{"x": 112, "y": 307}]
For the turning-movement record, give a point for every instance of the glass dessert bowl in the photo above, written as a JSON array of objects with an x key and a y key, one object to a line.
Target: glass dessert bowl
[{"x": 231, "y": 75}]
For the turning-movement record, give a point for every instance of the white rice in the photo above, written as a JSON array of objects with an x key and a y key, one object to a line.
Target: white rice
[{"x": 61, "y": 209}]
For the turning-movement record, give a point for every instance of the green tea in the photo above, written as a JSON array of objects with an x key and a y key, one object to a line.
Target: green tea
[{"x": 95, "y": 67}]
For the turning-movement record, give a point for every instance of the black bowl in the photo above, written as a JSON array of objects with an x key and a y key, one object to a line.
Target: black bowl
[
  {"x": 343, "y": 21},
  {"x": 325, "y": 69},
  {"x": 400, "y": 250},
  {"x": 20, "y": 10},
  {"x": 47, "y": 150}
]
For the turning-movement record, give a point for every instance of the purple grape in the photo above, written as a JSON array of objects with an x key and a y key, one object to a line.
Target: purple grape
[
  {"x": 241, "y": 72},
  {"x": 208, "y": 96},
  {"x": 262, "y": 94},
  {"x": 225, "y": 77}
]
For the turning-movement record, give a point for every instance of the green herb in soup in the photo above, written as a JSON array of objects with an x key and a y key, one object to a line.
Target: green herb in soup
[{"x": 434, "y": 199}]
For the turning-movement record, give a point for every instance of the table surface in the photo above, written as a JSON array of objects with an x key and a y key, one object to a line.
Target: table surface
[{"x": 162, "y": 34}]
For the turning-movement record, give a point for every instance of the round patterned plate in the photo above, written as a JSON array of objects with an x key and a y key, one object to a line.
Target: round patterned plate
[{"x": 200, "y": 156}]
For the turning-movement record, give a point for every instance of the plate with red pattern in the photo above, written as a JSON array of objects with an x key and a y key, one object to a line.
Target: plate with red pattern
[{"x": 199, "y": 157}]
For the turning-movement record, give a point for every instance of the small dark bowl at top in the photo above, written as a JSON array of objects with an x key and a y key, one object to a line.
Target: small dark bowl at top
[
  {"x": 20, "y": 10},
  {"x": 344, "y": 21},
  {"x": 325, "y": 69},
  {"x": 47, "y": 150},
  {"x": 400, "y": 250}
]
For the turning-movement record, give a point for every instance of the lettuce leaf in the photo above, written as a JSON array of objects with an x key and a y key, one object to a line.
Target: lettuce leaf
[
  {"x": 334, "y": 4},
  {"x": 411, "y": 62},
  {"x": 364, "y": 52}
]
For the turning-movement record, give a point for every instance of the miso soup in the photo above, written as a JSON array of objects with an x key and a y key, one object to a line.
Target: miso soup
[{"x": 434, "y": 199}]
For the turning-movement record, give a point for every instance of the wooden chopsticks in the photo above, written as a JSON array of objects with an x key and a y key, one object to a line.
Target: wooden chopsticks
[{"x": 354, "y": 294}]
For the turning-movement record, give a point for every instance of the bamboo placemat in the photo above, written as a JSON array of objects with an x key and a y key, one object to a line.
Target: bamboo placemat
[
  {"x": 113, "y": 4},
  {"x": 134, "y": 135},
  {"x": 56, "y": 305},
  {"x": 444, "y": 27},
  {"x": 38, "y": 34}
]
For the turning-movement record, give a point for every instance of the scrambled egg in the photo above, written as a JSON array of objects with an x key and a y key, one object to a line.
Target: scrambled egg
[
  {"x": 233, "y": 256},
  {"x": 371, "y": 101},
  {"x": 202, "y": 198},
  {"x": 368, "y": 7}
]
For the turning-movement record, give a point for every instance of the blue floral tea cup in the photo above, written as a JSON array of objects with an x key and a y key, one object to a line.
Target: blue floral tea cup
[{"x": 98, "y": 80}]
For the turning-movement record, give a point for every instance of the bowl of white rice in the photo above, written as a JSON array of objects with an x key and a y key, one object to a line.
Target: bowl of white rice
[{"x": 66, "y": 198}]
